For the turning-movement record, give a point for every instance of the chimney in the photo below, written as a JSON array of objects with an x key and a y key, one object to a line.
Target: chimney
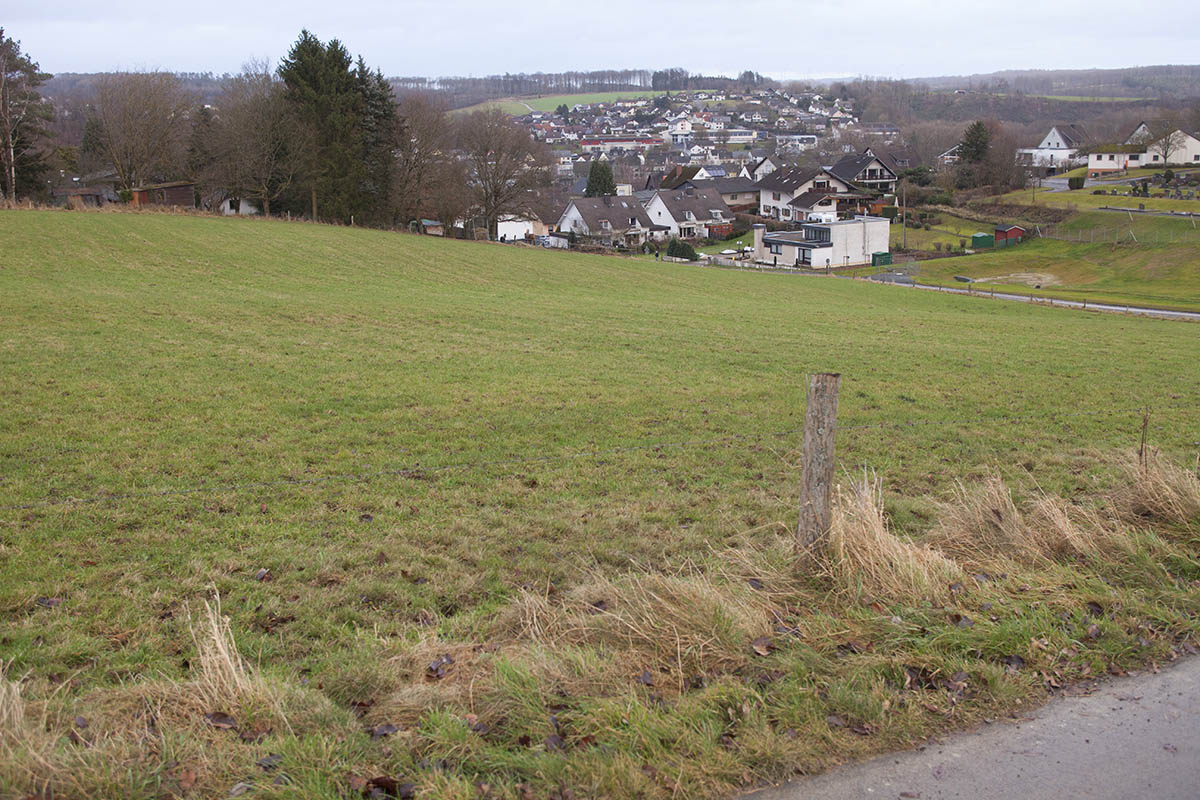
[{"x": 759, "y": 230}]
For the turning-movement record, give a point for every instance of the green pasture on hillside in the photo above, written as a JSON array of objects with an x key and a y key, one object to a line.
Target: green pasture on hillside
[{"x": 383, "y": 451}]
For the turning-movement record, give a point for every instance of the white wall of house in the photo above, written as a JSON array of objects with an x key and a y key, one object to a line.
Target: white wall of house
[
  {"x": 246, "y": 208},
  {"x": 516, "y": 228},
  {"x": 776, "y": 204},
  {"x": 572, "y": 220},
  {"x": 850, "y": 243}
]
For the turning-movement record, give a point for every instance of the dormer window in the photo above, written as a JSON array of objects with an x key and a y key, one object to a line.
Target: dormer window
[{"x": 605, "y": 225}]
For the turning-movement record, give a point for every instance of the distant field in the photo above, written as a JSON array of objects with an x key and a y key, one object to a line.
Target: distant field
[
  {"x": 1165, "y": 276},
  {"x": 1081, "y": 99},
  {"x": 493, "y": 516},
  {"x": 522, "y": 105},
  {"x": 1083, "y": 199}
]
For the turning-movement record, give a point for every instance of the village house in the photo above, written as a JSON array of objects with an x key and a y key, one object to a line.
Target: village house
[
  {"x": 759, "y": 169},
  {"x": 612, "y": 220},
  {"x": 691, "y": 213},
  {"x": 739, "y": 193},
  {"x": 1058, "y": 150},
  {"x": 866, "y": 170},
  {"x": 778, "y": 189},
  {"x": 830, "y": 245},
  {"x": 176, "y": 193},
  {"x": 1156, "y": 143}
]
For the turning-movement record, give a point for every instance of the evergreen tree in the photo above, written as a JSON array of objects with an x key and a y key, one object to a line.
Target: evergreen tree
[
  {"x": 562, "y": 110},
  {"x": 381, "y": 129},
  {"x": 600, "y": 180},
  {"x": 328, "y": 99},
  {"x": 976, "y": 140}
]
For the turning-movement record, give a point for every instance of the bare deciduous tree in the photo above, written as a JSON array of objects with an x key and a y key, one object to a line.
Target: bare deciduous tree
[
  {"x": 504, "y": 165},
  {"x": 259, "y": 145},
  {"x": 422, "y": 174},
  {"x": 143, "y": 124}
]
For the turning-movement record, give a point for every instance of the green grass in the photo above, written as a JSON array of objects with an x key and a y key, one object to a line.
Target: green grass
[
  {"x": 455, "y": 448},
  {"x": 949, "y": 233},
  {"x": 1161, "y": 276},
  {"x": 521, "y": 105},
  {"x": 1083, "y": 199}
]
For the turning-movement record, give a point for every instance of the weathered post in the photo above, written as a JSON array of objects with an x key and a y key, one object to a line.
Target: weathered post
[{"x": 816, "y": 490}]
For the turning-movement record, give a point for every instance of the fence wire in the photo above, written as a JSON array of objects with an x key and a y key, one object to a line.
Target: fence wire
[{"x": 417, "y": 470}]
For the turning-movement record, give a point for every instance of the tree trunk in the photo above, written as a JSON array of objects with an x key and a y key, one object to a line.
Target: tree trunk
[
  {"x": 314, "y": 203},
  {"x": 266, "y": 206}
]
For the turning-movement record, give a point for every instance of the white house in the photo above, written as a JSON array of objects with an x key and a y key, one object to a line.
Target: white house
[
  {"x": 823, "y": 245},
  {"x": 610, "y": 219},
  {"x": 757, "y": 170},
  {"x": 1152, "y": 144},
  {"x": 778, "y": 189},
  {"x": 512, "y": 228},
  {"x": 690, "y": 213},
  {"x": 1059, "y": 149}
]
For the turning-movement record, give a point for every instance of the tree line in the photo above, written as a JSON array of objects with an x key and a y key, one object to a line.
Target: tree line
[{"x": 322, "y": 136}]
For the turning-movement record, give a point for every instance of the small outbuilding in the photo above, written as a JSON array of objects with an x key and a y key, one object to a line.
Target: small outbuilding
[
  {"x": 1007, "y": 235},
  {"x": 176, "y": 193}
]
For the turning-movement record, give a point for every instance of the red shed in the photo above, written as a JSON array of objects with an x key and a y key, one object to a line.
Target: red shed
[
  {"x": 1009, "y": 235},
  {"x": 178, "y": 193}
]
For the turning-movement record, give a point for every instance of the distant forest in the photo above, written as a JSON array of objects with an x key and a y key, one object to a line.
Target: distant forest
[{"x": 1167, "y": 81}]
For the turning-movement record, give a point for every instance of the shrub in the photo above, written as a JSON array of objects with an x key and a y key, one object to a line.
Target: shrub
[
  {"x": 1075, "y": 182},
  {"x": 937, "y": 246},
  {"x": 681, "y": 249},
  {"x": 1168, "y": 175},
  {"x": 962, "y": 244},
  {"x": 889, "y": 212},
  {"x": 942, "y": 198},
  {"x": 125, "y": 195},
  {"x": 928, "y": 226}
]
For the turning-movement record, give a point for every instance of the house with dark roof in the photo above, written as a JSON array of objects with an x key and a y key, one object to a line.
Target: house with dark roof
[
  {"x": 738, "y": 192},
  {"x": 1058, "y": 150},
  {"x": 759, "y": 169},
  {"x": 691, "y": 213},
  {"x": 866, "y": 170},
  {"x": 612, "y": 220},
  {"x": 778, "y": 189}
]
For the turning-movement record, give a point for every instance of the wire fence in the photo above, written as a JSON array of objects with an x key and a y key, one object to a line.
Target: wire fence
[
  {"x": 1125, "y": 234},
  {"x": 416, "y": 469}
]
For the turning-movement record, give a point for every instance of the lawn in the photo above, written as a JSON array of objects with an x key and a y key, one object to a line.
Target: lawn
[
  {"x": 1158, "y": 275},
  {"x": 492, "y": 521},
  {"x": 949, "y": 233}
]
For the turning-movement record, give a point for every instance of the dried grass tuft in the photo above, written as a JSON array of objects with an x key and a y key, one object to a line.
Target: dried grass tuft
[
  {"x": 1156, "y": 488},
  {"x": 223, "y": 678},
  {"x": 982, "y": 523},
  {"x": 864, "y": 555}
]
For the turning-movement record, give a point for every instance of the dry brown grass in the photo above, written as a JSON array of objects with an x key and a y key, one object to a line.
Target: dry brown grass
[
  {"x": 1155, "y": 488},
  {"x": 865, "y": 556},
  {"x": 983, "y": 522}
]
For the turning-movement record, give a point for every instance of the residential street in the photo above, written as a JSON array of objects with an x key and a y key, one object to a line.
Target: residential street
[{"x": 1134, "y": 737}]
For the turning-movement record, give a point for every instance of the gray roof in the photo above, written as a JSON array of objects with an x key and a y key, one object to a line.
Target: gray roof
[
  {"x": 617, "y": 210},
  {"x": 848, "y": 168},
  {"x": 731, "y": 184},
  {"x": 788, "y": 180},
  {"x": 701, "y": 202}
]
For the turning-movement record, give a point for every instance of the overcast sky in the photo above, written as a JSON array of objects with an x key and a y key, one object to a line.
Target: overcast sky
[{"x": 781, "y": 38}]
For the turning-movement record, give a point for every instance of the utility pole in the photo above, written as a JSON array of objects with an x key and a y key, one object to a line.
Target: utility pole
[{"x": 817, "y": 470}]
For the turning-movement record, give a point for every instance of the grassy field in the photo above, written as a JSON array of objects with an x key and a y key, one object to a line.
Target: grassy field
[
  {"x": 489, "y": 521},
  {"x": 522, "y": 105},
  {"x": 1084, "y": 200},
  {"x": 1163, "y": 276}
]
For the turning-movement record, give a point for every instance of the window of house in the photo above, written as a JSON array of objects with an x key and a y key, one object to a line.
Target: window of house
[
  {"x": 1135, "y": 157},
  {"x": 774, "y": 195},
  {"x": 1156, "y": 158},
  {"x": 733, "y": 196},
  {"x": 777, "y": 249},
  {"x": 1196, "y": 157},
  {"x": 1112, "y": 158}
]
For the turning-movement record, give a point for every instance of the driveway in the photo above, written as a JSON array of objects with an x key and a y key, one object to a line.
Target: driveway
[{"x": 1131, "y": 737}]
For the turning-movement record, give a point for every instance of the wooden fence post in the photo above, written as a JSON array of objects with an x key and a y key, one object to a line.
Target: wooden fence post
[{"x": 816, "y": 489}]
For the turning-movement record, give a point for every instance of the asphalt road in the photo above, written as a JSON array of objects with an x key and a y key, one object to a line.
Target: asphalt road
[{"x": 1135, "y": 737}]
